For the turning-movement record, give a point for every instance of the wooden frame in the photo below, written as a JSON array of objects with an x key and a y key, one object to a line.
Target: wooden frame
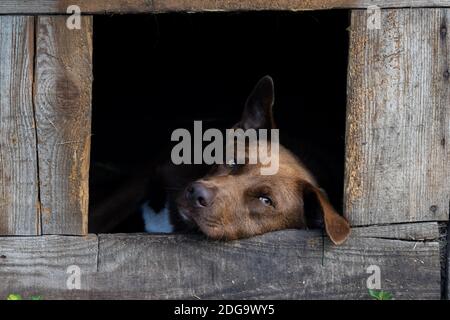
[
  {"x": 149, "y": 6},
  {"x": 398, "y": 119},
  {"x": 302, "y": 264}
]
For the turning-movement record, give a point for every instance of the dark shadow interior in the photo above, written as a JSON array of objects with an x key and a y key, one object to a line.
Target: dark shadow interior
[{"x": 155, "y": 73}]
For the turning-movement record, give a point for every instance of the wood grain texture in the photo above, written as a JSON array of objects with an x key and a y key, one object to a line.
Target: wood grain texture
[
  {"x": 37, "y": 263},
  {"x": 398, "y": 118},
  {"x": 295, "y": 5},
  {"x": 446, "y": 263},
  {"x": 139, "y": 6},
  {"x": 63, "y": 83},
  {"x": 302, "y": 265},
  {"x": 404, "y": 231},
  {"x": 19, "y": 207}
]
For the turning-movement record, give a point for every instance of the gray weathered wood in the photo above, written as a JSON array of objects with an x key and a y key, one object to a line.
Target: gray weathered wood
[
  {"x": 63, "y": 115},
  {"x": 136, "y": 6},
  {"x": 19, "y": 205},
  {"x": 290, "y": 264},
  {"x": 404, "y": 231},
  {"x": 398, "y": 120},
  {"x": 41, "y": 263},
  {"x": 446, "y": 257}
]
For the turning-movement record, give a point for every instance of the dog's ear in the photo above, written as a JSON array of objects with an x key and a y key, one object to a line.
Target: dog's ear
[
  {"x": 258, "y": 108},
  {"x": 319, "y": 212}
]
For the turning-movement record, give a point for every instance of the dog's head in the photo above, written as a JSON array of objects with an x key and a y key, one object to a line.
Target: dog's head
[{"x": 236, "y": 201}]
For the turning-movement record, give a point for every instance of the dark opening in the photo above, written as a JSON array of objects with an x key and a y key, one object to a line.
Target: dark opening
[{"x": 155, "y": 73}]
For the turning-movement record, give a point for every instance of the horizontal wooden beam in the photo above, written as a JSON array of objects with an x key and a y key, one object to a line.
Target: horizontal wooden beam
[
  {"x": 140, "y": 6},
  {"x": 289, "y": 264},
  {"x": 402, "y": 231}
]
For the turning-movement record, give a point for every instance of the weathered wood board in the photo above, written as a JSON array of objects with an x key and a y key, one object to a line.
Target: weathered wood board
[
  {"x": 446, "y": 266},
  {"x": 398, "y": 118},
  {"x": 136, "y": 6},
  {"x": 302, "y": 264},
  {"x": 63, "y": 85},
  {"x": 19, "y": 200},
  {"x": 404, "y": 231},
  {"x": 41, "y": 262}
]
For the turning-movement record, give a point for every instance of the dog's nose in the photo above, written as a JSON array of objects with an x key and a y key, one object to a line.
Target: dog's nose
[{"x": 200, "y": 195}]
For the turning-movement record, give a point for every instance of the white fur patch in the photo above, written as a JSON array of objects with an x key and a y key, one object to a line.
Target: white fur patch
[{"x": 156, "y": 222}]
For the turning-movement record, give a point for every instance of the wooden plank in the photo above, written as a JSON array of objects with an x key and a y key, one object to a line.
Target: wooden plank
[
  {"x": 294, "y": 5},
  {"x": 446, "y": 262},
  {"x": 19, "y": 205},
  {"x": 397, "y": 155},
  {"x": 141, "y": 6},
  {"x": 63, "y": 113},
  {"x": 302, "y": 264},
  {"x": 404, "y": 231},
  {"x": 29, "y": 264}
]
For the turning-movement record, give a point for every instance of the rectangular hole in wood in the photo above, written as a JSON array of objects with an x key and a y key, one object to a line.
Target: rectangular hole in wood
[{"x": 155, "y": 73}]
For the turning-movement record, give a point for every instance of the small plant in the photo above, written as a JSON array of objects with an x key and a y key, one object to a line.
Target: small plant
[
  {"x": 13, "y": 296},
  {"x": 380, "y": 294}
]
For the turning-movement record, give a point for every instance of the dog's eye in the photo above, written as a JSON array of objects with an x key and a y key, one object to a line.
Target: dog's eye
[{"x": 266, "y": 200}]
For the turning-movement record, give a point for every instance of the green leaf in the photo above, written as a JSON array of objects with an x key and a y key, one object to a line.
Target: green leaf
[
  {"x": 385, "y": 295},
  {"x": 380, "y": 294},
  {"x": 36, "y": 298},
  {"x": 14, "y": 297},
  {"x": 373, "y": 294}
]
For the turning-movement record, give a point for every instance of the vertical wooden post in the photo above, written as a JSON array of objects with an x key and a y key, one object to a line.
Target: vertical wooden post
[
  {"x": 19, "y": 200},
  {"x": 63, "y": 84},
  {"x": 398, "y": 120}
]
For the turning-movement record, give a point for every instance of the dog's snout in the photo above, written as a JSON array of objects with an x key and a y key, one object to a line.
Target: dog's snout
[{"x": 200, "y": 195}]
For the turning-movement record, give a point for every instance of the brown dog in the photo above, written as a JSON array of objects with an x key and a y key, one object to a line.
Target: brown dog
[{"x": 233, "y": 201}]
